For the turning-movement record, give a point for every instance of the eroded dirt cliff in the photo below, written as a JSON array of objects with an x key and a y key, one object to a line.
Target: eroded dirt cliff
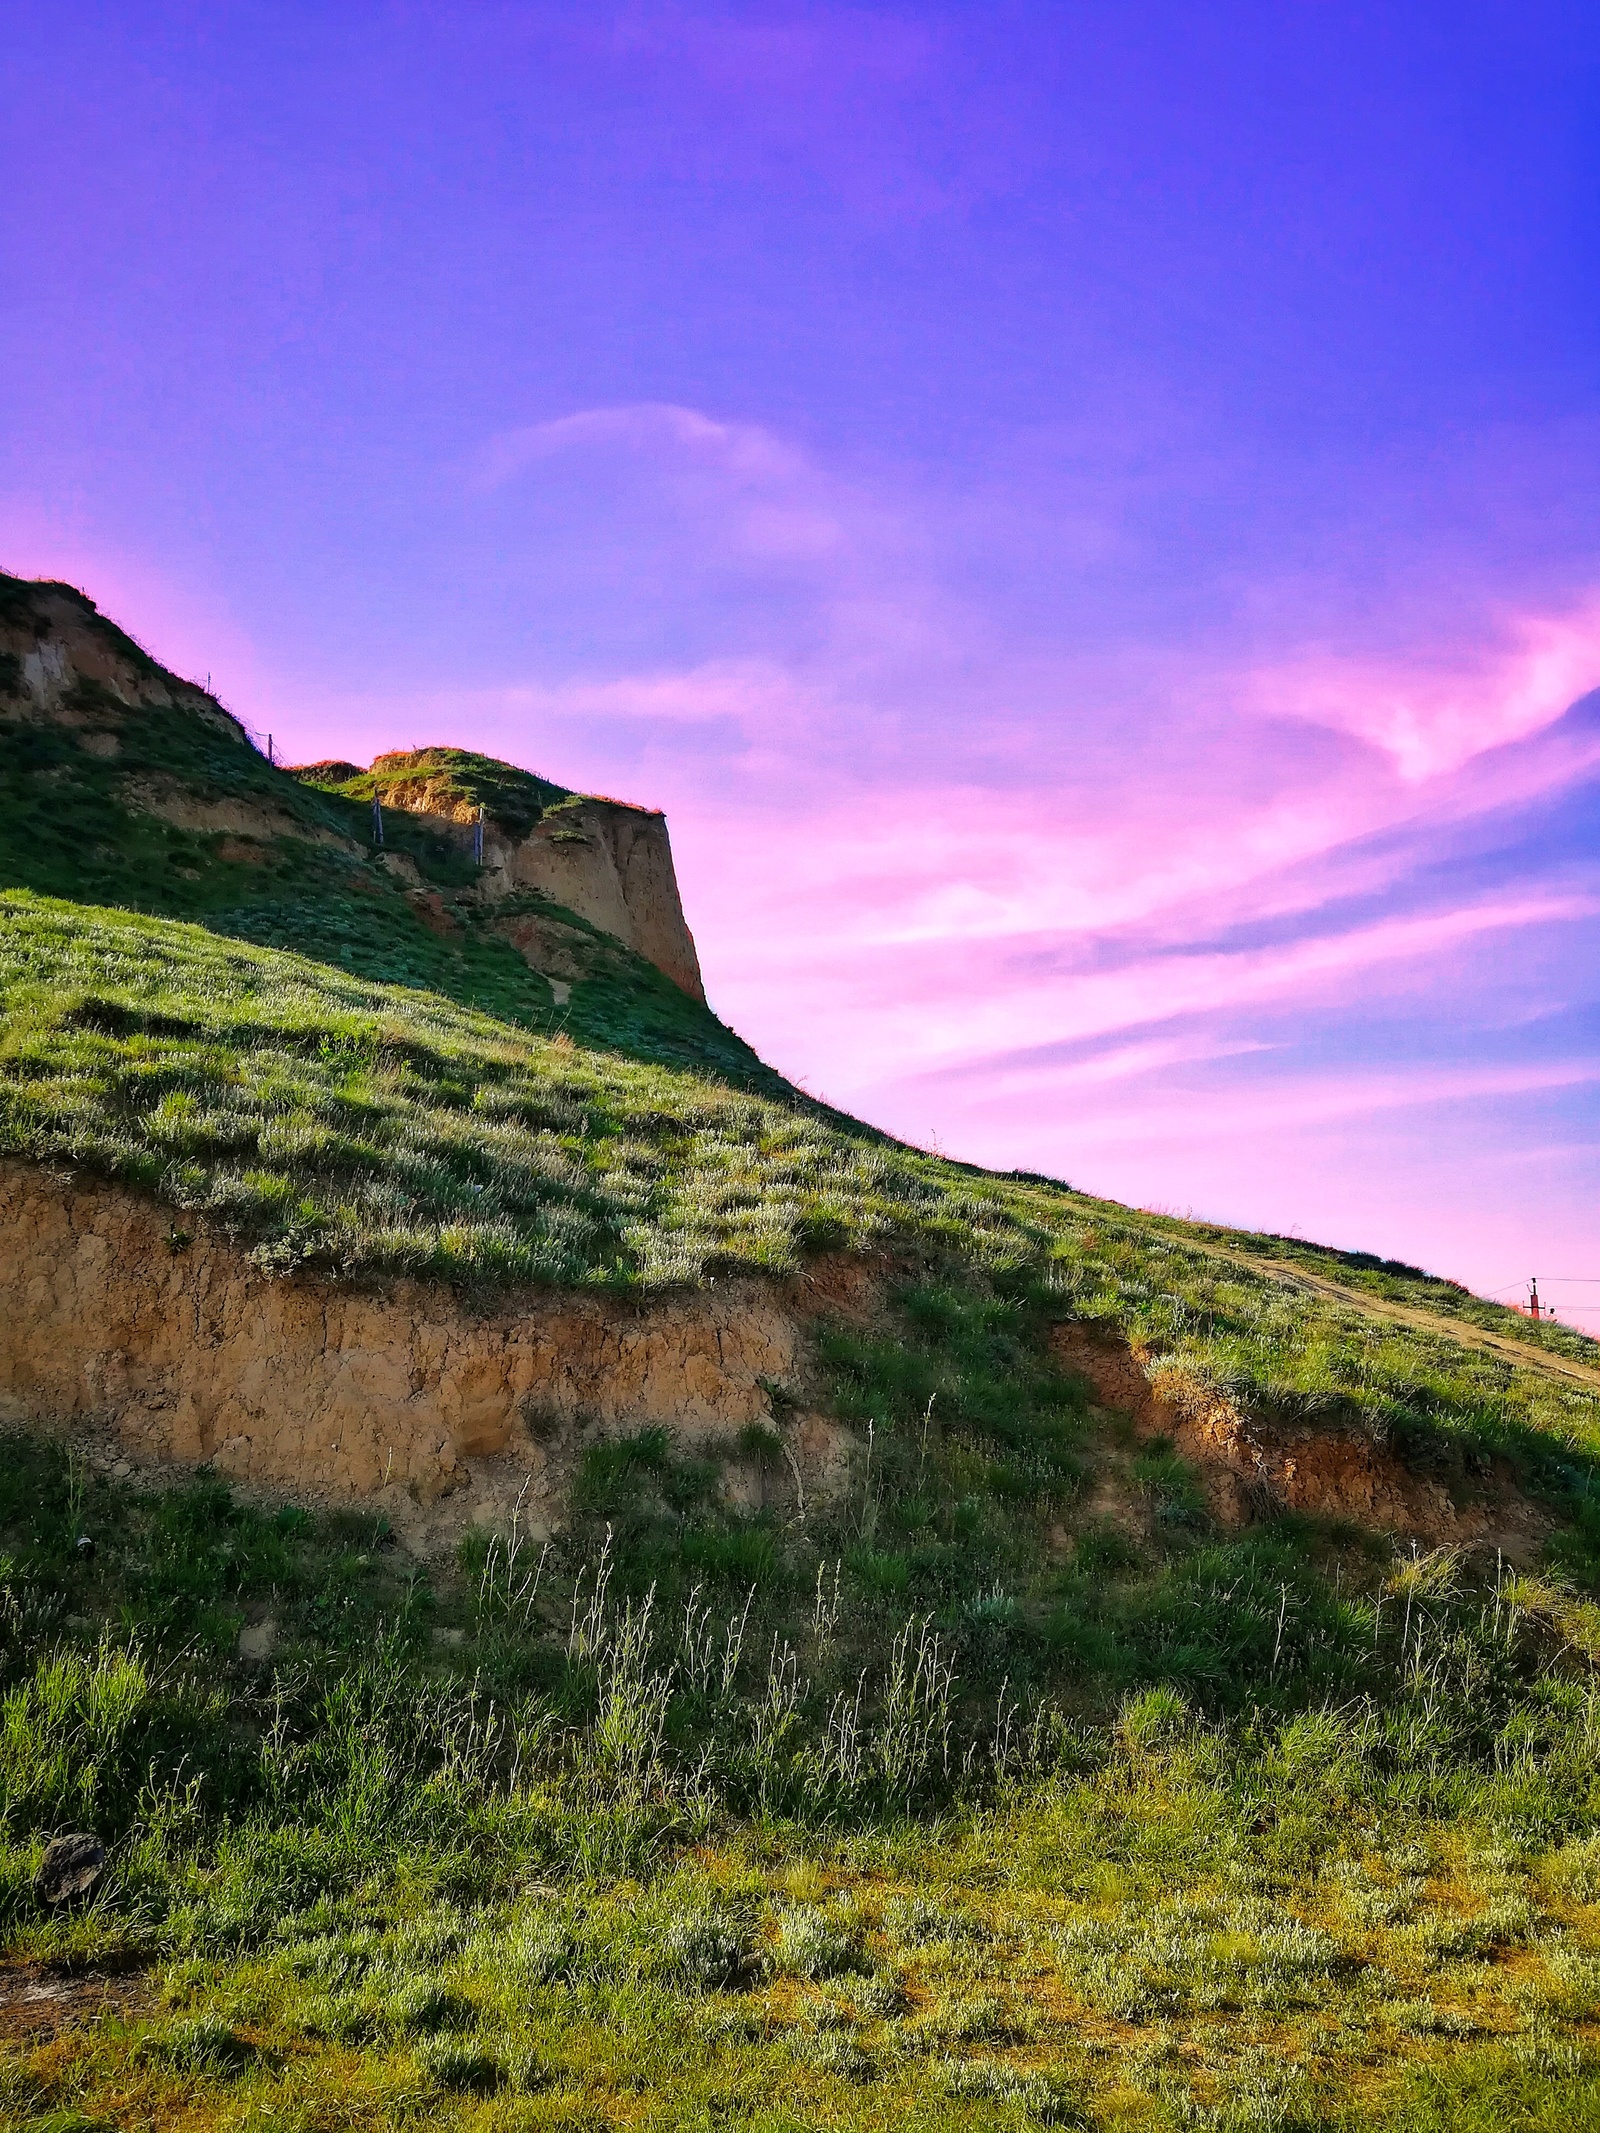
[
  {"x": 607, "y": 861},
  {"x": 171, "y": 1347},
  {"x": 1250, "y": 1467},
  {"x": 64, "y": 661},
  {"x": 179, "y": 1349}
]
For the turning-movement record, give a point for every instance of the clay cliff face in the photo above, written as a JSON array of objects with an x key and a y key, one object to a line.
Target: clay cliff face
[
  {"x": 607, "y": 861},
  {"x": 612, "y": 865},
  {"x": 180, "y": 1350},
  {"x": 60, "y": 643}
]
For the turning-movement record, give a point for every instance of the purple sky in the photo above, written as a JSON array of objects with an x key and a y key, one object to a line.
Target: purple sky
[{"x": 1087, "y": 518}]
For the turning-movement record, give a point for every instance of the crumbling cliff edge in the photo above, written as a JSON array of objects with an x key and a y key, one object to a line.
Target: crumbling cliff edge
[{"x": 177, "y": 1349}]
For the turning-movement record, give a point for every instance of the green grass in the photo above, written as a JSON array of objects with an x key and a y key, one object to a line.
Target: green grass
[
  {"x": 383, "y": 1879},
  {"x": 515, "y": 799}
]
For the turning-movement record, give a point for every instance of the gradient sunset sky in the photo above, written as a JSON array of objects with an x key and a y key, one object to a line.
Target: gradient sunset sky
[{"x": 1087, "y": 518}]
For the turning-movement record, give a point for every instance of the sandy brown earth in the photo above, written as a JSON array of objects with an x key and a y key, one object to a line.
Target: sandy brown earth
[
  {"x": 180, "y": 1351},
  {"x": 1250, "y": 1467},
  {"x": 39, "y": 2000},
  {"x": 169, "y": 1351}
]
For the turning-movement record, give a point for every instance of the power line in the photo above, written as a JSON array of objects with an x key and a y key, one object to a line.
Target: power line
[{"x": 1580, "y": 1281}]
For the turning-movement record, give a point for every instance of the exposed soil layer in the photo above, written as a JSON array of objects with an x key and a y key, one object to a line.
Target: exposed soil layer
[
  {"x": 612, "y": 865},
  {"x": 39, "y": 2000},
  {"x": 170, "y": 1350},
  {"x": 1251, "y": 1468},
  {"x": 180, "y": 1350}
]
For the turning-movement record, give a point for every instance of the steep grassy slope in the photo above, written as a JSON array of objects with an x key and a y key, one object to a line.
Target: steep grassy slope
[
  {"x": 384, "y": 1127},
  {"x": 163, "y": 806}
]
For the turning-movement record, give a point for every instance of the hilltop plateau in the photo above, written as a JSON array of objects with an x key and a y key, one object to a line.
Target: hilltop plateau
[{"x": 578, "y": 1587}]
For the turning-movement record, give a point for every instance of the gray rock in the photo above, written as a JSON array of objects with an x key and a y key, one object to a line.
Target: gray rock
[
  {"x": 69, "y": 1866},
  {"x": 258, "y": 1640}
]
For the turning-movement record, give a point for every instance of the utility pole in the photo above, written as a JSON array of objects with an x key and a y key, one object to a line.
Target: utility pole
[
  {"x": 1533, "y": 1297},
  {"x": 477, "y": 838},
  {"x": 377, "y": 823}
]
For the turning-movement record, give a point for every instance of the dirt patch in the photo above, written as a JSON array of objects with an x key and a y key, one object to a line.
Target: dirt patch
[
  {"x": 430, "y": 907},
  {"x": 38, "y": 2000},
  {"x": 546, "y": 945},
  {"x": 841, "y": 1286},
  {"x": 1251, "y": 1468},
  {"x": 400, "y": 867}
]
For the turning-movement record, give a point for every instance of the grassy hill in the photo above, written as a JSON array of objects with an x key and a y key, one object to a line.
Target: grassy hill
[
  {"x": 163, "y": 806},
  {"x": 1012, "y": 1786}
]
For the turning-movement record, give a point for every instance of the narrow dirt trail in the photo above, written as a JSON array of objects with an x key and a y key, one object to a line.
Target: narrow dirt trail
[{"x": 1525, "y": 1355}]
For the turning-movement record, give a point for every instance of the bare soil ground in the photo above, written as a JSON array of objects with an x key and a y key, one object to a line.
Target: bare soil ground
[{"x": 39, "y": 2000}]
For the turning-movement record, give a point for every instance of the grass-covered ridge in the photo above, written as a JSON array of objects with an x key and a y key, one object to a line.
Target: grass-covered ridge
[
  {"x": 457, "y": 782},
  {"x": 380, "y": 1127}
]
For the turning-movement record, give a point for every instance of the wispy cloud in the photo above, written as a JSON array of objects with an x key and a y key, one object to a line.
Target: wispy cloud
[
  {"x": 1430, "y": 715},
  {"x": 743, "y": 452},
  {"x": 1295, "y": 1102}
]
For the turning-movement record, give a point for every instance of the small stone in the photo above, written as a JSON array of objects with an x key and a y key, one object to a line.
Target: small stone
[
  {"x": 69, "y": 1866},
  {"x": 258, "y": 1640}
]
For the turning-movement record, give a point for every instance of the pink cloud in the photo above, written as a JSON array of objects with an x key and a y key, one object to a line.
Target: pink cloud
[
  {"x": 895, "y": 1012},
  {"x": 1298, "y": 1101},
  {"x": 1431, "y": 717}
]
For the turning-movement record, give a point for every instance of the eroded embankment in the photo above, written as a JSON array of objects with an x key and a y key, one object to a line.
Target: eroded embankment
[
  {"x": 1251, "y": 1468},
  {"x": 176, "y": 1349},
  {"x": 179, "y": 1349}
]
